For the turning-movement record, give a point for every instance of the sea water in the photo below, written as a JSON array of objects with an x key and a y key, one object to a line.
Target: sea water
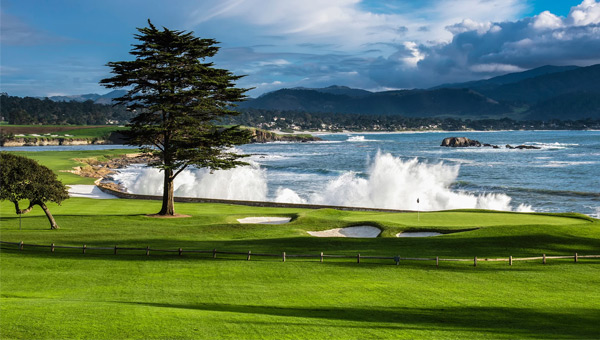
[{"x": 406, "y": 171}]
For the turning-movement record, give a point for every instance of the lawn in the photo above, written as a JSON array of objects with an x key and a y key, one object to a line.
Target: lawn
[
  {"x": 62, "y": 131},
  {"x": 99, "y": 295},
  {"x": 63, "y": 161}
]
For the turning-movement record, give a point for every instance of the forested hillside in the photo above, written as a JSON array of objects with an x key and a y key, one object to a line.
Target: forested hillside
[{"x": 28, "y": 110}]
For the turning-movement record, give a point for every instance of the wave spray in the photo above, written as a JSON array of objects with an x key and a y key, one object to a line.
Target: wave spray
[{"x": 390, "y": 183}]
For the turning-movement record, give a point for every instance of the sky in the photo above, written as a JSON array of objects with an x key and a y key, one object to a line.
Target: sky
[{"x": 61, "y": 47}]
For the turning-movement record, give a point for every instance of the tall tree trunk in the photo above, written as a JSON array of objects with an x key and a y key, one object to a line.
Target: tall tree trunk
[
  {"x": 168, "y": 205},
  {"x": 53, "y": 224}
]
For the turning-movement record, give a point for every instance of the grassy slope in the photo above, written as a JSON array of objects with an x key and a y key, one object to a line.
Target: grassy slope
[
  {"x": 69, "y": 295},
  {"x": 61, "y": 161},
  {"x": 96, "y": 132},
  {"x": 75, "y": 131},
  {"x": 98, "y": 295}
]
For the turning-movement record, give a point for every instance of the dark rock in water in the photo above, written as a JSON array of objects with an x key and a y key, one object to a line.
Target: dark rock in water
[
  {"x": 459, "y": 142},
  {"x": 527, "y": 147},
  {"x": 508, "y": 146},
  {"x": 491, "y": 146}
]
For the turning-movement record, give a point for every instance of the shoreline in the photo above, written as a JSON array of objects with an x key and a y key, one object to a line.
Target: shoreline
[{"x": 347, "y": 132}]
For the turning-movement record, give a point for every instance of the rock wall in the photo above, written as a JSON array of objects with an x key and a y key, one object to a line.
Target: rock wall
[{"x": 49, "y": 141}]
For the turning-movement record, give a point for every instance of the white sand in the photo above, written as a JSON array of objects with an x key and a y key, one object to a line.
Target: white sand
[
  {"x": 265, "y": 220},
  {"x": 88, "y": 191},
  {"x": 363, "y": 231},
  {"x": 417, "y": 234}
]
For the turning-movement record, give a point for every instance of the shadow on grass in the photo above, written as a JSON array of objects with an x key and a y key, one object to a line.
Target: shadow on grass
[
  {"x": 580, "y": 323},
  {"x": 446, "y": 247},
  {"x": 344, "y": 263}
]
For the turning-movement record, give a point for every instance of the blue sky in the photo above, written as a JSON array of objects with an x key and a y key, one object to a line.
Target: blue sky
[{"x": 60, "y": 47}]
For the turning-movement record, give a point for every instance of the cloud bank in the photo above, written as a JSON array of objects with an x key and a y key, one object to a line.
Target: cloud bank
[{"x": 349, "y": 42}]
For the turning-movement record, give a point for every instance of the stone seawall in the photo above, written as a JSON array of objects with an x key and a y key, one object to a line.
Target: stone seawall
[{"x": 125, "y": 195}]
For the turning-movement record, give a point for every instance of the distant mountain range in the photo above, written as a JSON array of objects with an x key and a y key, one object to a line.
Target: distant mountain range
[
  {"x": 96, "y": 98},
  {"x": 543, "y": 93}
]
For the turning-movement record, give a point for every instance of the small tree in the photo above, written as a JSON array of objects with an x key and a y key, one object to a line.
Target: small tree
[
  {"x": 22, "y": 178},
  {"x": 179, "y": 97}
]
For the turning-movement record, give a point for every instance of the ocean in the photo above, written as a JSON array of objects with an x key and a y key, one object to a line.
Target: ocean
[{"x": 407, "y": 171}]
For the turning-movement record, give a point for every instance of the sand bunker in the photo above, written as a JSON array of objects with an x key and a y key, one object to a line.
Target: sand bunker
[
  {"x": 88, "y": 191},
  {"x": 418, "y": 234},
  {"x": 363, "y": 231},
  {"x": 265, "y": 220}
]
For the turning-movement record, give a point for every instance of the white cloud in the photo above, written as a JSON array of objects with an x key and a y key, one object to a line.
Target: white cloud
[
  {"x": 312, "y": 42},
  {"x": 276, "y": 62},
  {"x": 495, "y": 68},
  {"x": 468, "y": 25},
  {"x": 349, "y": 24},
  {"x": 547, "y": 20},
  {"x": 415, "y": 54},
  {"x": 586, "y": 13}
]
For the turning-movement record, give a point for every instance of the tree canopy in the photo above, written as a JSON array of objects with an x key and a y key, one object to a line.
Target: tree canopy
[
  {"x": 178, "y": 97},
  {"x": 28, "y": 110},
  {"x": 23, "y": 178}
]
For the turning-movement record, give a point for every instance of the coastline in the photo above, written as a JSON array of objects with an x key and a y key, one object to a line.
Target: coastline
[{"x": 347, "y": 132}]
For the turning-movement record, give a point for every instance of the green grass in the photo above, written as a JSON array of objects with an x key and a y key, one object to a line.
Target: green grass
[
  {"x": 99, "y": 295},
  {"x": 96, "y": 132},
  {"x": 102, "y": 296},
  {"x": 62, "y": 161}
]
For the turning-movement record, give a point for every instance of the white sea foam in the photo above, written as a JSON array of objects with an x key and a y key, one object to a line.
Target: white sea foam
[
  {"x": 597, "y": 213},
  {"x": 394, "y": 183},
  {"x": 356, "y": 139},
  {"x": 242, "y": 183},
  {"x": 562, "y": 164},
  {"x": 389, "y": 182},
  {"x": 285, "y": 195}
]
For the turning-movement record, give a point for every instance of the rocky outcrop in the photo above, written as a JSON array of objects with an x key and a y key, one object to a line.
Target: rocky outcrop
[
  {"x": 94, "y": 168},
  {"x": 459, "y": 142},
  {"x": 526, "y": 147},
  {"x": 465, "y": 142},
  {"x": 42, "y": 141},
  {"x": 263, "y": 136}
]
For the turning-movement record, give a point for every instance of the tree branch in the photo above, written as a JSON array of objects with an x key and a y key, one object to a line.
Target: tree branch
[
  {"x": 24, "y": 211},
  {"x": 180, "y": 170}
]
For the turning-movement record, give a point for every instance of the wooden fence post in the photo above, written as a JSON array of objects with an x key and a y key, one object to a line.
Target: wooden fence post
[
  {"x": 249, "y": 252},
  {"x": 214, "y": 253},
  {"x": 83, "y": 248},
  {"x": 358, "y": 258},
  {"x": 575, "y": 257},
  {"x": 283, "y": 256},
  {"x": 147, "y": 250},
  {"x": 543, "y": 258},
  {"x": 510, "y": 260},
  {"x": 21, "y": 245},
  {"x": 321, "y": 257},
  {"x": 397, "y": 260},
  {"x": 475, "y": 261},
  {"x": 180, "y": 251},
  {"x": 437, "y": 261},
  {"x": 52, "y": 247},
  {"x": 115, "y": 250}
]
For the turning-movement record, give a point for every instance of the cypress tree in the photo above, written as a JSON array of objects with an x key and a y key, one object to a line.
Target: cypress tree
[{"x": 179, "y": 97}]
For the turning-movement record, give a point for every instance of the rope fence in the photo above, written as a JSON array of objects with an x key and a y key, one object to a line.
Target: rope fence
[{"x": 284, "y": 256}]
